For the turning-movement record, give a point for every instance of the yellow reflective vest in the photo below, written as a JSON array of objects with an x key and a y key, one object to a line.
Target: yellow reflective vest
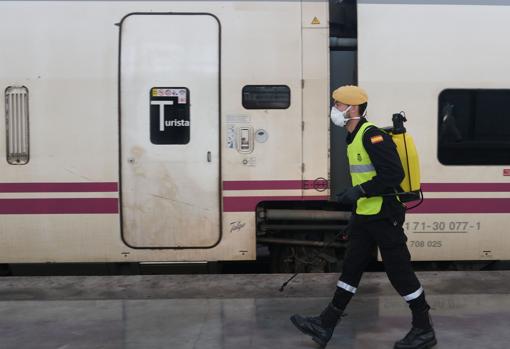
[{"x": 362, "y": 170}]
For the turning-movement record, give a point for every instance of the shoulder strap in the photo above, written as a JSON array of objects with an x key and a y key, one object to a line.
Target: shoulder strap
[{"x": 370, "y": 127}]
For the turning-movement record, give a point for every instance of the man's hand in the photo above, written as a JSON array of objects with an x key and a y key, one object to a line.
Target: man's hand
[{"x": 350, "y": 196}]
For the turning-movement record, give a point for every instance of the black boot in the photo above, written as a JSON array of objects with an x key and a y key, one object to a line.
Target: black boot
[
  {"x": 422, "y": 334},
  {"x": 417, "y": 338},
  {"x": 321, "y": 327}
]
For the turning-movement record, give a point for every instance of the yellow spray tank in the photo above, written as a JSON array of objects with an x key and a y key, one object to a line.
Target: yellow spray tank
[{"x": 406, "y": 149}]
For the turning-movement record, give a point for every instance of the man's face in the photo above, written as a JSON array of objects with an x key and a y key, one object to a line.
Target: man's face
[
  {"x": 353, "y": 111},
  {"x": 340, "y": 106}
]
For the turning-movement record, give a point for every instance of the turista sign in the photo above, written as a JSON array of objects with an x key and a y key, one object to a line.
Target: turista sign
[
  {"x": 176, "y": 123},
  {"x": 168, "y": 123},
  {"x": 169, "y": 115}
]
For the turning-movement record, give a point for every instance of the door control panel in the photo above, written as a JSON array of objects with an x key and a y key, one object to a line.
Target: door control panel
[{"x": 245, "y": 140}]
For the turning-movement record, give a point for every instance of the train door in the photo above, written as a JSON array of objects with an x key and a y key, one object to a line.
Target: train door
[{"x": 169, "y": 129}]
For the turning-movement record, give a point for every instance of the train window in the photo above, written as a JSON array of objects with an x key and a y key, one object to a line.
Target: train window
[
  {"x": 169, "y": 115},
  {"x": 474, "y": 127},
  {"x": 16, "y": 125},
  {"x": 266, "y": 96}
]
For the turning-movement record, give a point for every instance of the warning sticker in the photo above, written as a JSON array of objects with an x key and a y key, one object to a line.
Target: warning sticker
[
  {"x": 231, "y": 137},
  {"x": 180, "y": 93},
  {"x": 315, "y": 20}
]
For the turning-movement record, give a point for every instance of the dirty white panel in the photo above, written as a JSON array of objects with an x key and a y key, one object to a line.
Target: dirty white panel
[
  {"x": 72, "y": 77},
  {"x": 316, "y": 109},
  {"x": 170, "y": 192}
]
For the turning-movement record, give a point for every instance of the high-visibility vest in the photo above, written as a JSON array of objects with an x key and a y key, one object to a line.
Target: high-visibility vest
[{"x": 362, "y": 170}]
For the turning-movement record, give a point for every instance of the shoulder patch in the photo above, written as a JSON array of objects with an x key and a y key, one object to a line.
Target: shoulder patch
[{"x": 376, "y": 139}]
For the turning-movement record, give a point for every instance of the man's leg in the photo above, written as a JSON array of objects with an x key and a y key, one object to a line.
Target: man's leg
[
  {"x": 397, "y": 261},
  {"x": 357, "y": 257}
]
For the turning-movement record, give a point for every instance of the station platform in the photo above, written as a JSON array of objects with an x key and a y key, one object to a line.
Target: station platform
[{"x": 469, "y": 310}]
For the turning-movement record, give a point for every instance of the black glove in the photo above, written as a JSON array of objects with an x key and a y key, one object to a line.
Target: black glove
[
  {"x": 345, "y": 234},
  {"x": 350, "y": 196}
]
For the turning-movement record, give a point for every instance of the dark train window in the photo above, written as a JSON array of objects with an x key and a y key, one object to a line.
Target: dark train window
[
  {"x": 169, "y": 115},
  {"x": 474, "y": 127},
  {"x": 266, "y": 96}
]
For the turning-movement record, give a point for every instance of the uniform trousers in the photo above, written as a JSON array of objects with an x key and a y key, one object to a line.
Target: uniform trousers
[{"x": 385, "y": 232}]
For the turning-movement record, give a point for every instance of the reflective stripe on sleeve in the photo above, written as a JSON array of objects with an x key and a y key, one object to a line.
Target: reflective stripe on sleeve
[
  {"x": 361, "y": 168},
  {"x": 414, "y": 295},
  {"x": 346, "y": 287}
]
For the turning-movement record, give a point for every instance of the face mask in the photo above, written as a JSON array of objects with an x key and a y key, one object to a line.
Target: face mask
[{"x": 339, "y": 118}]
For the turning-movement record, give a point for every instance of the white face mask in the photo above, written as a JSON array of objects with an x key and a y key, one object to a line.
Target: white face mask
[{"x": 339, "y": 118}]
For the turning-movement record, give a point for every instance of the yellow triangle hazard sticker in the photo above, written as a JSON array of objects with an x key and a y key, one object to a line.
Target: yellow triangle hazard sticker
[{"x": 316, "y": 21}]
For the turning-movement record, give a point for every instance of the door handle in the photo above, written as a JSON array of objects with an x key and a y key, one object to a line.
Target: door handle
[{"x": 208, "y": 156}]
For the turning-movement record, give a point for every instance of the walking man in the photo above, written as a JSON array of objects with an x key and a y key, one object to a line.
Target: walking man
[{"x": 377, "y": 220}]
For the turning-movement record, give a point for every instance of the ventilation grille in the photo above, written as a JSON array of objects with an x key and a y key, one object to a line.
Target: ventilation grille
[{"x": 16, "y": 118}]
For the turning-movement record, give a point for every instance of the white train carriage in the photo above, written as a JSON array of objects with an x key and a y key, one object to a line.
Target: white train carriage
[
  {"x": 185, "y": 131},
  {"x": 444, "y": 63},
  {"x": 149, "y": 131}
]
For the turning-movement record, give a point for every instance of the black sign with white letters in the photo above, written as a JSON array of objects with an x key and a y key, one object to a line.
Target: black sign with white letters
[{"x": 169, "y": 115}]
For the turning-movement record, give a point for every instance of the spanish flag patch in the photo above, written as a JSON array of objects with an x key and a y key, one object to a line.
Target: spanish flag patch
[{"x": 376, "y": 139}]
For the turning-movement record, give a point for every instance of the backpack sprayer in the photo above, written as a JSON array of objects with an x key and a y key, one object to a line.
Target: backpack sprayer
[
  {"x": 410, "y": 185},
  {"x": 406, "y": 149}
]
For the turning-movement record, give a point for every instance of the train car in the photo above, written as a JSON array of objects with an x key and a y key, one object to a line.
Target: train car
[
  {"x": 198, "y": 131},
  {"x": 149, "y": 131},
  {"x": 442, "y": 62}
]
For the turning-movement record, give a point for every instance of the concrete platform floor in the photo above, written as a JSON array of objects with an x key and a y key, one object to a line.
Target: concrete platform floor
[{"x": 470, "y": 310}]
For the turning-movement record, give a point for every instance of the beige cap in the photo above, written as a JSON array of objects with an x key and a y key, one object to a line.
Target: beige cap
[{"x": 350, "y": 95}]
